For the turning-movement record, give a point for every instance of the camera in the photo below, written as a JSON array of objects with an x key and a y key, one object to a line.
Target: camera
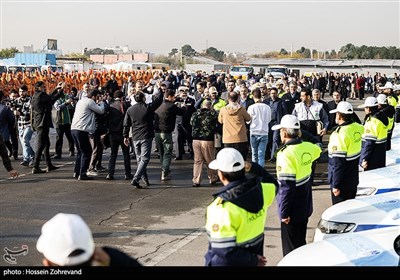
[{"x": 179, "y": 104}]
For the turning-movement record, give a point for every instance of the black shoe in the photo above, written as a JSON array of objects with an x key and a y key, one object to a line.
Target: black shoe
[
  {"x": 100, "y": 169},
  {"x": 37, "y": 171},
  {"x": 76, "y": 175},
  {"x": 84, "y": 177},
  {"x": 25, "y": 163},
  {"x": 214, "y": 182},
  {"x": 196, "y": 185},
  {"x": 56, "y": 157},
  {"x": 178, "y": 158},
  {"x": 136, "y": 184},
  {"x": 52, "y": 167},
  {"x": 128, "y": 177},
  {"x": 110, "y": 177},
  {"x": 71, "y": 154},
  {"x": 146, "y": 182}
]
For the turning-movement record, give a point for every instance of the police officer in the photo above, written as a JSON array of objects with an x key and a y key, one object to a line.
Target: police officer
[
  {"x": 294, "y": 166},
  {"x": 235, "y": 220},
  {"x": 389, "y": 110},
  {"x": 344, "y": 150},
  {"x": 373, "y": 151}
]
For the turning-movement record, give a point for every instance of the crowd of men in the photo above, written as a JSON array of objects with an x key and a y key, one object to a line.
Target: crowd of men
[{"x": 215, "y": 120}]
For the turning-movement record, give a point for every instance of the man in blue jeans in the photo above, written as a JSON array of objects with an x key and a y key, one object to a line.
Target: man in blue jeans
[{"x": 140, "y": 118}]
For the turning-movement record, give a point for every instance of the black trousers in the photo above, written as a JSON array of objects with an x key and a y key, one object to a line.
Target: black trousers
[
  {"x": 97, "y": 150},
  {"x": 84, "y": 151},
  {"x": 117, "y": 141},
  {"x": 293, "y": 236},
  {"x": 184, "y": 135},
  {"x": 43, "y": 145},
  {"x": 242, "y": 147},
  {"x": 61, "y": 130},
  {"x": 13, "y": 145},
  {"x": 349, "y": 194}
]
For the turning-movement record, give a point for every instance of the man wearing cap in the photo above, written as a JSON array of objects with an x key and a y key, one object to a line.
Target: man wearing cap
[
  {"x": 344, "y": 150},
  {"x": 204, "y": 122},
  {"x": 373, "y": 151},
  {"x": 216, "y": 102},
  {"x": 294, "y": 167},
  {"x": 66, "y": 240},
  {"x": 235, "y": 220},
  {"x": 389, "y": 112}
]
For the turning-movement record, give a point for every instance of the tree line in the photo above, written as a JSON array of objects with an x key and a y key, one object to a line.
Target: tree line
[{"x": 185, "y": 54}]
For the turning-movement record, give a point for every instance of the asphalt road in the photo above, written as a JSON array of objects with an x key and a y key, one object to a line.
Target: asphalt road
[{"x": 162, "y": 225}]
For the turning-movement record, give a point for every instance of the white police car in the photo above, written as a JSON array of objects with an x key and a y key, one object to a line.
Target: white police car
[
  {"x": 385, "y": 179},
  {"x": 359, "y": 214},
  {"x": 380, "y": 180},
  {"x": 378, "y": 247}
]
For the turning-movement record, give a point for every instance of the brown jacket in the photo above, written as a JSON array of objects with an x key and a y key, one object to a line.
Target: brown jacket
[{"x": 233, "y": 118}]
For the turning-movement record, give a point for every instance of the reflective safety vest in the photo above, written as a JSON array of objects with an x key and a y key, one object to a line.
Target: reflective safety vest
[
  {"x": 375, "y": 130},
  {"x": 345, "y": 141},
  {"x": 392, "y": 101},
  {"x": 294, "y": 162},
  {"x": 217, "y": 106},
  {"x": 229, "y": 225},
  {"x": 391, "y": 124}
]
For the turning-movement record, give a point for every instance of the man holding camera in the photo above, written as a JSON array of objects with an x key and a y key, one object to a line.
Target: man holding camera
[
  {"x": 62, "y": 122},
  {"x": 42, "y": 104}
]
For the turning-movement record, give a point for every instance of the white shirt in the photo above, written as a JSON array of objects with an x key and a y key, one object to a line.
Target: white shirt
[{"x": 260, "y": 118}]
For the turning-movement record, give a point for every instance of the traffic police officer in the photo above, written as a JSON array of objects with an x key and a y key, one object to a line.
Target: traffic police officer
[
  {"x": 294, "y": 166},
  {"x": 384, "y": 106},
  {"x": 373, "y": 151},
  {"x": 344, "y": 150},
  {"x": 235, "y": 220}
]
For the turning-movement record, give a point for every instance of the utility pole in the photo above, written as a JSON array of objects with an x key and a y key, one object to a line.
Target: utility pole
[
  {"x": 291, "y": 50},
  {"x": 181, "y": 56}
]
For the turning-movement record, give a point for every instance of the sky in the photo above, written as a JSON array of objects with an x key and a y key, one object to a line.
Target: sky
[{"x": 231, "y": 26}]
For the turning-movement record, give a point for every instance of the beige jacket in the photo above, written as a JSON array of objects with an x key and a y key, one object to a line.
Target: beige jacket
[{"x": 233, "y": 118}]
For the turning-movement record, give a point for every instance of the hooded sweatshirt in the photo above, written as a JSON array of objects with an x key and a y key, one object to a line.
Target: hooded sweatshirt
[{"x": 233, "y": 118}]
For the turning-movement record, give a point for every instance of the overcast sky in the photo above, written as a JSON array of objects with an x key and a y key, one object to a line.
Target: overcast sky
[{"x": 159, "y": 26}]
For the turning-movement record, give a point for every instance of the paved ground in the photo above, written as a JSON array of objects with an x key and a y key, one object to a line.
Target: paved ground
[{"x": 162, "y": 225}]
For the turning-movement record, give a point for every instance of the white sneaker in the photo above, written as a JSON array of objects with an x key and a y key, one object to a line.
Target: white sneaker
[{"x": 92, "y": 173}]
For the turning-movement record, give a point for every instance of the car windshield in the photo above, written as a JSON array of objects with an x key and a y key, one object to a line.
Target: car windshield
[
  {"x": 282, "y": 70},
  {"x": 241, "y": 69}
]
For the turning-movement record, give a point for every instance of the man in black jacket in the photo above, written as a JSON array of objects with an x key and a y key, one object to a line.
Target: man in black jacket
[
  {"x": 164, "y": 124},
  {"x": 116, "y": 115},
  {"x": 140, "y": 118},
  {"x": 42, "y": 104}
]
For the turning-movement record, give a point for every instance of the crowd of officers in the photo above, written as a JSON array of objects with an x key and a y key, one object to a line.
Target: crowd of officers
[{"x": 216, "y": 120}]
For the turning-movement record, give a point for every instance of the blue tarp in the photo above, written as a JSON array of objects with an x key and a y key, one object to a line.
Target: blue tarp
[{"x": 35, "y": 59}]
